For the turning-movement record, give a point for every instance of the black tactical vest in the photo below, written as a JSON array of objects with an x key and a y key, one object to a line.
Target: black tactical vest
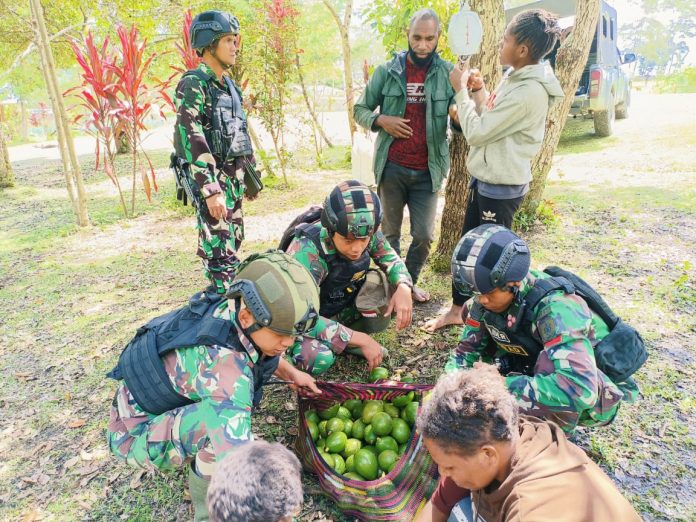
[
  {"x": 227, "y": 134},
  {"x": 345, "y": 277},
  {"x": 140, "y": 364}
]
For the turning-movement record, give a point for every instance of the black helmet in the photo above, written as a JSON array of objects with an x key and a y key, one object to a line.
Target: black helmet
[
  {"x": 489, "y": 257},
  {"x": 352, "y": 208},
  {"x": 211, "y": 25}
]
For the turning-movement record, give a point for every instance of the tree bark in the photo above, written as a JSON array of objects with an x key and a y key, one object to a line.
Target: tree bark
[
  {"x": 570, "y": 62},
  {"x": 24, "y": 121},
  {"x": 71, "y": 166},
  {"x": 343, "y": 29},
  {"x": 310, "y": 107},
  {"x": 7, "y": 178},
  {"x": 456, "y": 192}
]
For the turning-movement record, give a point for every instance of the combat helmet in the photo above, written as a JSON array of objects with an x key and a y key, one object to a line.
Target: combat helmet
[
  {"x": 211, "y": 25},
  {"x": 351, "y": 208},
  {"x": 278, "y": 291},
  {"x": 489, "y": 257}
]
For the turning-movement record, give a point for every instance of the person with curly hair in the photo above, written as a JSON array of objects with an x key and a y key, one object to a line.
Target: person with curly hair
[{"x": 497, "y": 465}]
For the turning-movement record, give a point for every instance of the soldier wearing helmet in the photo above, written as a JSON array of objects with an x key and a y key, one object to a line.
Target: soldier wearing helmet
[
  {"x": 191, "y": 378},
  {"x": 338, "y": 249},
  {"x": 535, "y": 327},
  {"x": 212, "y": 144}
]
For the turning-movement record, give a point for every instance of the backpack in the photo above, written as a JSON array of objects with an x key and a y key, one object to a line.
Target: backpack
[
  {"x": 622, "y": 352},
  {"x": 311, "y": 215}
]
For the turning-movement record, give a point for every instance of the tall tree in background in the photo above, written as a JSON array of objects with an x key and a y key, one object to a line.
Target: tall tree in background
[
  {"x": 7, "y": 178},
  {"x": 344, "y": 30},
  {"x": 570, "y": 62},
  {"x": 71, "y": 167},
  {"x": 457, "y": 191}
]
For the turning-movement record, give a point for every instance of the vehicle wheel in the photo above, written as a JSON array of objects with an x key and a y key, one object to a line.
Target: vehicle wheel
[
  {"x": 604, "y": 122},
  {"x": 622, "y": 109}
]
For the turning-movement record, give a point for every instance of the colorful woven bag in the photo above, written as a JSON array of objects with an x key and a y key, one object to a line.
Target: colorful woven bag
[{"x": 401, "y": 493}]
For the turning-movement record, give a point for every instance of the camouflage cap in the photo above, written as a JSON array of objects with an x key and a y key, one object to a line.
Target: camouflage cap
[
  {"x": 279, "y": 291},
  {"x": 489, "y": 257},
  {"x": 352, "y": 209}
]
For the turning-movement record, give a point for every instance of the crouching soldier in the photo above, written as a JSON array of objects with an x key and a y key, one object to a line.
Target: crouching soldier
[
  {"x": 192, "y": 377},
  {"x": 259, "y": 482},
  {"x": 337, "y": 243},
  {"x": 565, "y": 355}
]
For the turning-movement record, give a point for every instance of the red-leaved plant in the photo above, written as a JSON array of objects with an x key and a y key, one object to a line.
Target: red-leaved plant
[
  {"x": 137, "y": 101},
  {"x": 186, "y": 52},
  {"x": 98, "y": 97}
]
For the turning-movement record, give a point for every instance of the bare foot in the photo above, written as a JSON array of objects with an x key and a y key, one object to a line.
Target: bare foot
[
  {"x": 453, "y": 316},
  {"x": 419, "y": 295}
]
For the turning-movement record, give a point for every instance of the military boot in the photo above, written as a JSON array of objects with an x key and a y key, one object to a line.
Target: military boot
[{"x": 198, "y": 489}]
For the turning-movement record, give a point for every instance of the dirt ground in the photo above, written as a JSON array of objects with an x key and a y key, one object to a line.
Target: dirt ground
[{"x": 623, "y": 216}]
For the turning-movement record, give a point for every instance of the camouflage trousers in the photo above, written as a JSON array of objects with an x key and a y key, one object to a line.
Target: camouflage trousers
[
  {"x": 218, "y": 250},
  {"x": 219, "y": 420},
  {"x": 313, "y": 352}
]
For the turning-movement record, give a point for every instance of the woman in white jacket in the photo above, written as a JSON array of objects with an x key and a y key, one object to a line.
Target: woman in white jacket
[{"x": 504, "y": 128}]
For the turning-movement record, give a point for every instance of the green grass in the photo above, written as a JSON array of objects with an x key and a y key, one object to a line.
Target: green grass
[{"x": 72, "y": 298}]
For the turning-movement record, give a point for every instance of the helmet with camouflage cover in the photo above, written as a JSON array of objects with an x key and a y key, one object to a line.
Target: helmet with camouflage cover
[
  {"x": 489, "y": 257},
  {"x": 278, "y": 291},
  {"x": 352, "y": 209},
  {"x": 211, "y": 25}
]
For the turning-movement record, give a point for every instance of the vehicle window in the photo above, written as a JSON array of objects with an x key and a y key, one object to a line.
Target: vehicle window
[
  {"x": 604, "y": 26},
  {"x": 611, "y": 29}
]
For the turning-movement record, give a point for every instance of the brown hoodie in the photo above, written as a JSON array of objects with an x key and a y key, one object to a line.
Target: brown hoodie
[{"x": 551, "y": 480}]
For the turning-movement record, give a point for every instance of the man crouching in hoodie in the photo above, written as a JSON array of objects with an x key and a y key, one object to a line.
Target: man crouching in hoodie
[
  {"x": 505, "y": 128},
  {"x": 496, "y": 465}
]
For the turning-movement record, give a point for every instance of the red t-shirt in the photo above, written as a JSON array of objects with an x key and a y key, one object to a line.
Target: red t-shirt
[
  {"x": 412, "y": 152},
  {"x": 447, "y": 495}
]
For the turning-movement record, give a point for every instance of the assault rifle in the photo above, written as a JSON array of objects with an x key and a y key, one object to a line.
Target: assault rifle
[{"x": 187, "y": 192}]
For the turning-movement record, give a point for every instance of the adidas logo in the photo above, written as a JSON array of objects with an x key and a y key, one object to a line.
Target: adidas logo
[{"x": 488, "y": 216}]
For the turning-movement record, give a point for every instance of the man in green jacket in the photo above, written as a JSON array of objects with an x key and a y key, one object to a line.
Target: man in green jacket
[{"x": 414, "y": 96}]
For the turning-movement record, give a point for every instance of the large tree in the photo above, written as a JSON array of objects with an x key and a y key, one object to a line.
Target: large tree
[
  {"x": 570, "y": 62},
  {"x": 6, "y": 174}
]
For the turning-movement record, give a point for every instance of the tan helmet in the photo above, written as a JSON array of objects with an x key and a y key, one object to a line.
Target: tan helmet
[{"x": 279, "y": 292}]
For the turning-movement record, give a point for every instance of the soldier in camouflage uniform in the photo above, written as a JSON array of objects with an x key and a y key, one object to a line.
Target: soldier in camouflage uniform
[
  {"x": 211, "y": 137},
  {"x": 338, "y": 251},
  {"x": 272, "y": 300},
  {"x": 561, "y": 381}
]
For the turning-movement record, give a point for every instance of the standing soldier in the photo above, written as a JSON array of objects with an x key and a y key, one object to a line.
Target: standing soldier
[
  {"x": 192, "y": 377},
  {"x": 212, "y": 144}
]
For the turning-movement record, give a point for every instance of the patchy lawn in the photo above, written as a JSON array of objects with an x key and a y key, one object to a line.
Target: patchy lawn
[{"x": 72, "y": 298}]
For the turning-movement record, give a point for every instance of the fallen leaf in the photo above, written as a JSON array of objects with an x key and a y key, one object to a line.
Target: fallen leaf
[
  {"x": 113, "y": 478},
  {"x": 94, "y": 455},
  {"x": 25, "y": 376},
  {"x": 32, "y": 516},
  {"x": 289, "y": 406},
  {"x": 292, "y": 430},
  {"x": 135, "y": 481},
  {"x": 270, "y": 419},
  {"x": 71, "y": 462},
  {"x": 76, "y": 423}
]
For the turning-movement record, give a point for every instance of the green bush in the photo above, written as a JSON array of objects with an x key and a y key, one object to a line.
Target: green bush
[{"x": 681, "y": 82}]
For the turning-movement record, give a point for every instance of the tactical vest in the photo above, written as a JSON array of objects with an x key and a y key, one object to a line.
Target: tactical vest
[
  {"x": 140, "y": 364},
  {"x": 345, "y": 277},
  {"x": 227, "y": 135},
  {"x": 517, "y": 340},
  {"x": 618, "y": 355}
]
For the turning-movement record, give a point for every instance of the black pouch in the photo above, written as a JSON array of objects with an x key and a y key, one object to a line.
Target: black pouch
[
  {"x": 621, "y": 352},
  {"x": 252, "y": 180}
]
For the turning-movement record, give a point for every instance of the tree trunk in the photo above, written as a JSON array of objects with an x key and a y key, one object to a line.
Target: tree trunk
[
  {"x": 257, "y": 146},
  {"x": 71, "y": 166},
  {"x": 456, "y": 192},
  {"x": 24, "y": 121},
  {"x": 310, "y": 108},
  {"x": 343, "y": 29},
  {"x": 570, "y": 62},
  {"x": 7, "y": 178},
  {"x": 123, "y": 146}
]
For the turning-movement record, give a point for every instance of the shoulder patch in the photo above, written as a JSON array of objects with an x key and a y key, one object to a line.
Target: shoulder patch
[{"x": 547, "y": 328}]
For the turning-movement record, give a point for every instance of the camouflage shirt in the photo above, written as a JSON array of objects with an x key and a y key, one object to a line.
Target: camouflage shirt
[
  {"x": 305, "y": 251},
  {"x": 566, "y": 386},
  {"x": 193, "y": 117}
]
